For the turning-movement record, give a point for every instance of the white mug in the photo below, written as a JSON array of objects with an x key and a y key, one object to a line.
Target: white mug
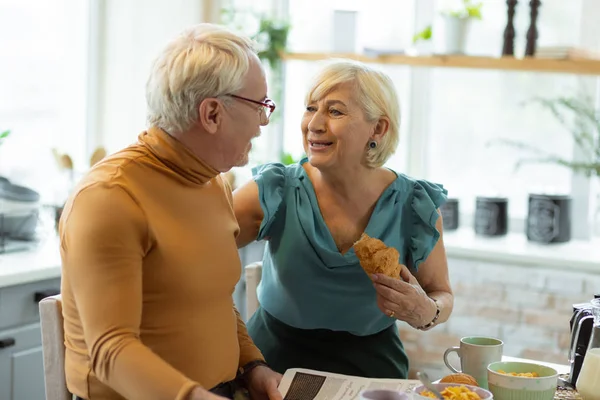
[{"x": 475, "y": 354}]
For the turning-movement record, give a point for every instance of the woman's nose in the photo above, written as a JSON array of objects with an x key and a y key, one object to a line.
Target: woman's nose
[{"x": 316, "y": 123}]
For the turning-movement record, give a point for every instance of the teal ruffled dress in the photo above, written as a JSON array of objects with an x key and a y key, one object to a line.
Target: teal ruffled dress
[{"x": 318, "y": 307}]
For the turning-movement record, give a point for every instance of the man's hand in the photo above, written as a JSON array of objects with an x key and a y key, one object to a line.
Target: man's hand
[
  {"x": 262, "y": 384},
  {"x": 199, "y": 393}
]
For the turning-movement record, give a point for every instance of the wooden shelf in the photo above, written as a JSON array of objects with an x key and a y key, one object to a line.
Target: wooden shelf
[{"x": 565, "y": 66}]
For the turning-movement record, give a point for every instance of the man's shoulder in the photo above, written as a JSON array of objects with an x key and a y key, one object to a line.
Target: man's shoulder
[{"x": 113, "y": 173}]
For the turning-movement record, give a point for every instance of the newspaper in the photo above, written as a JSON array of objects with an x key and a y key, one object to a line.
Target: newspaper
[{"x": 306, "y": 384}]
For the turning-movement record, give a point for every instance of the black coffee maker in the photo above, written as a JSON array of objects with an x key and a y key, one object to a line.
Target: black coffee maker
[{"x": 582, "y": 323}]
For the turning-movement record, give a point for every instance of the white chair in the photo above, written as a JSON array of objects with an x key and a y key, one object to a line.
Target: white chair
[
  {"x": 253, "y": 274},
  {"x": 53, "y": 347}
]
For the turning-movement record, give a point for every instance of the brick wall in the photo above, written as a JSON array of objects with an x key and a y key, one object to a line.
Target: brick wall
[{"x": 528, "y": 307}]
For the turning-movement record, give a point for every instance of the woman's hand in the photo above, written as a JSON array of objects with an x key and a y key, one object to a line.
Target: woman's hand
[
  {"x": 404, "y": 299},
  {"x": 262, "y": 384}
]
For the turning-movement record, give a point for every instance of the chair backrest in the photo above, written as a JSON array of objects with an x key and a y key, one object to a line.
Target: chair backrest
[
  {"x": 53, "y": 347},
  {"x": 253, "y": 273}
]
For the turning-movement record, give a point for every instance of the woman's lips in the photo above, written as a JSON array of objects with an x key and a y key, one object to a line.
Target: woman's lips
[{"x": 319, "y": 145}]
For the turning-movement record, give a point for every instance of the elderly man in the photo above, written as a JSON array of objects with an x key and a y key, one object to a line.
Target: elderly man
[{"x": 148, "y": 238}]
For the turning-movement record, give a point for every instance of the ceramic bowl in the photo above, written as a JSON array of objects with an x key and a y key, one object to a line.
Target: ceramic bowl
[
  {"x": 383, "y": 394},
  {"x": 508, "y": 387},
  {"x": 484, "y": 394}
]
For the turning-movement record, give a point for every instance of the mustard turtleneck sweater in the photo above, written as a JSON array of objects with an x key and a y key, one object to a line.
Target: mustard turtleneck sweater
[{"x": 150, "y": 263}]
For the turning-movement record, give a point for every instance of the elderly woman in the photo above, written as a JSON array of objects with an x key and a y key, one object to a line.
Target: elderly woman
[{"x": 319, "y": 309}]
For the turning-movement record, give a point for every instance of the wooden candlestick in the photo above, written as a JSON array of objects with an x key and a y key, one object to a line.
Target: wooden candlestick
[
  {"x": 509, "y": 32},
  {"x": 532, "y": 33}
]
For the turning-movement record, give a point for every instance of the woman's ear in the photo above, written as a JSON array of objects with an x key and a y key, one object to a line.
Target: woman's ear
[
  {"x": 380, "y": 129},
  {"x": 210, "y": 115}
]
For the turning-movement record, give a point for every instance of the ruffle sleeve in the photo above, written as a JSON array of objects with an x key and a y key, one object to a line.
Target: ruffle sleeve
[
  {"x": 270, "y": 179},
  {"x": 427, "y": 198}
]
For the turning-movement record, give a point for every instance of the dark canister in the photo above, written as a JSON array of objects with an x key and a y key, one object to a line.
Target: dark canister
[
  {"x": 549, "y": 218},
  {"x": 491, "y": 216},
  {"x": 449, "y": 212}
]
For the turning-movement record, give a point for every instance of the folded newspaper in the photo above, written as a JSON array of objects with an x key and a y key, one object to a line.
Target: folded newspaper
[{"x": 306, "y": 384}]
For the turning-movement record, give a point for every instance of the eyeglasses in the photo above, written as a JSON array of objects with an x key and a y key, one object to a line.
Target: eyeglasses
[{"x": 268, "y": 105}]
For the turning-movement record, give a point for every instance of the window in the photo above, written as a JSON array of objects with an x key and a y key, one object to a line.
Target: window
[
  {"x": 452, "y": 119},
  {"x": 471, "y": 111},
  {"x": 472, "y": 108},
  {"x": 132, "y": 34},
  {"x": 43, "y": 88},
  {"x": 245, "y": 16}
]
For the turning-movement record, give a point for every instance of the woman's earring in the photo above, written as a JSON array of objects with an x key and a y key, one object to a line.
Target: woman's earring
[{"x": 372, "y": 144}]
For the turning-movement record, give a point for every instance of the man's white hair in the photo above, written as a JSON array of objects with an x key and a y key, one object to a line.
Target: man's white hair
[{"x": 204, "y": 61}]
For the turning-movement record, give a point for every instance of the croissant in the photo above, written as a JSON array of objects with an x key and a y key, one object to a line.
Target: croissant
[
  {"x": 377, "y": 258},
  {"x": 465, "y": 379}
]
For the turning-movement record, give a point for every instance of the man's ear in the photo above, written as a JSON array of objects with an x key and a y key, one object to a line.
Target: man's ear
[
  {"x": 210, "y": 115},
  {"x": 380, "y": 129}
]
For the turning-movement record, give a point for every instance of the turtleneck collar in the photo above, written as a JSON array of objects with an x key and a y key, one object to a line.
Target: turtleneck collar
[{"x": 177, "y": 156}]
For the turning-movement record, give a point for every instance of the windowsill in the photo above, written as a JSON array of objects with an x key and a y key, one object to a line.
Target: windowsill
[{"x": 514, "y": 248}]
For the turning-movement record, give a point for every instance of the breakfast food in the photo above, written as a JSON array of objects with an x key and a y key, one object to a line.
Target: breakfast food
[
  {"x": 377, "y": 258},
  {"x": 465, "y": 379},
  {"x": 522, "y": 374},
  {"x": 454, "y": 393}
]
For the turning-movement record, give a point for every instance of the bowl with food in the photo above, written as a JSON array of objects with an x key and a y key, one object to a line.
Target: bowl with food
[
  {"x": 513, "y": 380},
  {"x": 453, "y": 391}
]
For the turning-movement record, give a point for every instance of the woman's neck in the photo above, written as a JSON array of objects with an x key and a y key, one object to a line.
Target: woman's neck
[{"x": 346, "y": 183}]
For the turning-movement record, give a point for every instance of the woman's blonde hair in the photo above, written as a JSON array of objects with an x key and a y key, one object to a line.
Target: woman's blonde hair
[
  {"x": 376, "y": 95},
  {"x": 204, "y": 61}
]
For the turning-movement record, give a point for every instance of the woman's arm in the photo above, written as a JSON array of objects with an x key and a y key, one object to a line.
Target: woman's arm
[
  {"x": 433, "y": 278},
  {"x": 411, "y": 298},
  {"x": 248, "y": 212}
]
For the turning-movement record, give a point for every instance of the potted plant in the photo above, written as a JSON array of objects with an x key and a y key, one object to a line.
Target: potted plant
[
  {"x": 422, "y": 41},
  {"x": 454, "y": 26}
]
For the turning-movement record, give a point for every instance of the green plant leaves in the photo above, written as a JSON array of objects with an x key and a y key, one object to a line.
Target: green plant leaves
[
  {"x": 581, "y": 120},
  {"x": 470, "y": 10},
  {"x": 4, "y": 135},
  {"x": 425, "y": 34},
  {"x": 272, "y": 35}
]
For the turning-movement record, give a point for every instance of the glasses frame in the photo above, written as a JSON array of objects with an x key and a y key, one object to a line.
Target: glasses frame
[{"x": 267, "y": 104}]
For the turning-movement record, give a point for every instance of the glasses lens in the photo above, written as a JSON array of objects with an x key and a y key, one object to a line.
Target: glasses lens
[{"x": 269, "y": 110}]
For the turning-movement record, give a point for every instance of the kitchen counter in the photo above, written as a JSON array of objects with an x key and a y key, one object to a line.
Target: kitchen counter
[{"x": 34, "y": 265}]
